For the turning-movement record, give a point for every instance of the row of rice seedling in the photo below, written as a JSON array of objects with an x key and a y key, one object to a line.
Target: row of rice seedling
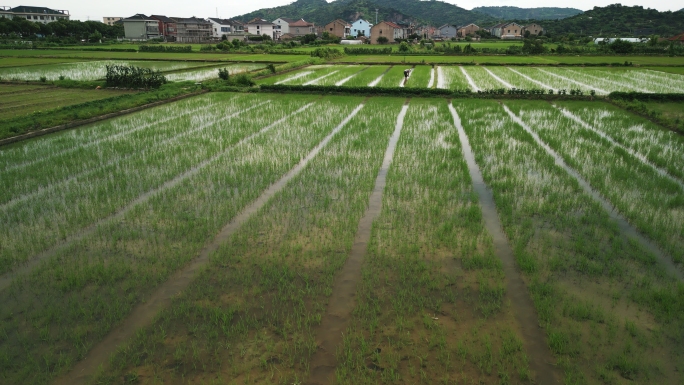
[
  {"x": 343, "y": 75},
  {"x": 452, "y": 78},
  {"x": 610, "y": 312},
  {"x": 27, "y": 153},
  {"x": 393, "y": 78},
  {"x": 90, "y": 70},
  {"x": 211, "y": 73},
  {"x": 661, "y": 147},
  {"x": 368, "y": 76},
  {"x": 432, "y": 303},
  {"x": 420, "y": 77},
  {"x": 642, "y": 80},
  {"x": 515, "y": 79},
  {"x": 650, "y": 201},
  {"x": 252, "y": 314},
  {"x": 48, "y": 217},
  {"x": 306, "y": 75},
  {"x": 83, "y": 155},
  {"x": 57, "y": 312}
]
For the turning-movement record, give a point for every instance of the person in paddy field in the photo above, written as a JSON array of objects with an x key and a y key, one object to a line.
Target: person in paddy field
[{"x": 407, "y": 72}]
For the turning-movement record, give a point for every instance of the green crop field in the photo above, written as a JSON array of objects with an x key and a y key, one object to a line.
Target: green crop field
[
  {"x": 285, "y": 239},
  {"x": 94, "y": 70},
  {"x": 600, "y": 80},
  {"x": 19, "y": 100}
]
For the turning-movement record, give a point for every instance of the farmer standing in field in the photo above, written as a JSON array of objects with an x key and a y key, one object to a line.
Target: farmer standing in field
[{"x": 407, "y": 72}]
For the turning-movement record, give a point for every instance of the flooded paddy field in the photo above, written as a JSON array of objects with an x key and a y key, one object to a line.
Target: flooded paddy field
[
  {"x": 477, "y": 78},
  {"x": 280, "y": 239}
]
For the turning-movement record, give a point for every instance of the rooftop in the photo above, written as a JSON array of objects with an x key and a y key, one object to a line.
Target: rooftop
[{"x": 40, "y": 10}]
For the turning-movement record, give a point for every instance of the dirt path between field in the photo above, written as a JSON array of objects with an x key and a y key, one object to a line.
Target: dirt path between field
[
  {"x": 6, "y": 280},
  {"x": 342, "y": 302},
  {"x": 143, "y": 314},
  {"x": 534, "y": 340},
  {"x": 627, "y": 230}
]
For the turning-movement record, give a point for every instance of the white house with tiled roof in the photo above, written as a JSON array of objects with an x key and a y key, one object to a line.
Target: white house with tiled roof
[{"x": 35, "y": 14}]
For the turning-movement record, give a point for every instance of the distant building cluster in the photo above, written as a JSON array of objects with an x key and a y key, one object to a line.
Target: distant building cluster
[{"x": 34, "y": 14}]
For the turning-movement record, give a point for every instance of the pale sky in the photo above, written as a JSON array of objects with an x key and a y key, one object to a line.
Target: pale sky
[{"x": 95, "y": 10}]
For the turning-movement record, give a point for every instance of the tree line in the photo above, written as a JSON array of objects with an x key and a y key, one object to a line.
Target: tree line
[{"x": 59, "y": 30}]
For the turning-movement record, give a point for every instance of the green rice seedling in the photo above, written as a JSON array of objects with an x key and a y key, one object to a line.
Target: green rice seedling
[
  {"x": 420, "y": 77},
  {"x": 202, "y": 74},
  {"x": 454, "y": 78},
  {"x": 394, "y": 77},
  {"x": 662, "y": 148},
  {"x": 367, "y": 77},
  {"x": 87, "y": 70},
  {"x": 419, "y": 261},
  {"x": 120, "y": 262},
  {"x": 271, "y": 275},
  {"x": 345, "y": 74},
  {"x": 647, "y": 199},
  {"x": 581, "y": 257}
]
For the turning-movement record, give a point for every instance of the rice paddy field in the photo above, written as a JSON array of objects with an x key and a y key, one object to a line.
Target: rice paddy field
[
  {"x": 476, "y": 78},
  {"x": 19, "y": 100},
  {"x": 96, "y": 70},
  {"x": 236, "y": 238}
]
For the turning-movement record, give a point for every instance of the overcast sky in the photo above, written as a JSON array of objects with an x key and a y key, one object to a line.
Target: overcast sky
[{"x": 95, "y": 10}]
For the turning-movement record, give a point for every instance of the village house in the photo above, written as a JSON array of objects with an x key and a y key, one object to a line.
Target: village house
[
  {"x": 141, "y": 27},
  {"x": 110, "y": 20},
  {"x": 512, "y": 31},
  {"x": 302, "y": 27},
  {"x": 167, "y": 27},
  {"x": 339, "y": 28},
  {"x": 534, "y": 29},
  {"x": 388, "y": 29},
  {"x": 361, "y": 28},
  {"x": 282, "y": 25},
  {"x": 447, "y": 31},
  {"x": 468, "y": 30},
  {"x": 261, "y": 27},
  {"x": 192, "y": 30}
]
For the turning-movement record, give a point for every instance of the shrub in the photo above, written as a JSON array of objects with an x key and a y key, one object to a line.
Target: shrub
[
  {"x": 327, "y": 53},
  {"x": 223, "y": 74},
  {"x": 382, "y": 40},
  {"x": 165, "y": 48},
  {"x": 133, "y": 77}
]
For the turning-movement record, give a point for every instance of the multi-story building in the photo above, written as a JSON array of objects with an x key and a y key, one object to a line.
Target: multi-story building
[
  {"x": 111, "y": 20},
  {"x": 167, "y": 27},
  {"x": 361, "y": 28},
  {"x": 339, "y": 28},
  {"x": 282, "y": 25},
  {"x": 5, "y": 12},
  {"x": 192, "y": 30},
  {"x": 261, "y": 27},
  {"x": 35, "y": 14},
  {"x": 141, "y": 27}
]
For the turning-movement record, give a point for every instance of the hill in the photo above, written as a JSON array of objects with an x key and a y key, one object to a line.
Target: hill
[
  {"x": 321, "y": 12},
  {"x": 437, "y": 13},
  {"x": 516, "y": 13},
  {"x": 619, "y": 20}
]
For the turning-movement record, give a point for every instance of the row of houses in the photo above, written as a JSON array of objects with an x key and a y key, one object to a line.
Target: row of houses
[
  {"x": 509, "y": 31},
  {"x": 35, "y": 14}
]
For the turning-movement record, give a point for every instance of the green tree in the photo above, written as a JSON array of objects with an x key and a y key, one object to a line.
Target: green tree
[{"x": 382, "y": 40}]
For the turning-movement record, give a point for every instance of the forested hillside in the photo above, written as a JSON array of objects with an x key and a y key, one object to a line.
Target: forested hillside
[
  {"x": 618, "y": 20},
  {"x": 544, "y": 13},
  {"x": 322, "y": 12}
]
